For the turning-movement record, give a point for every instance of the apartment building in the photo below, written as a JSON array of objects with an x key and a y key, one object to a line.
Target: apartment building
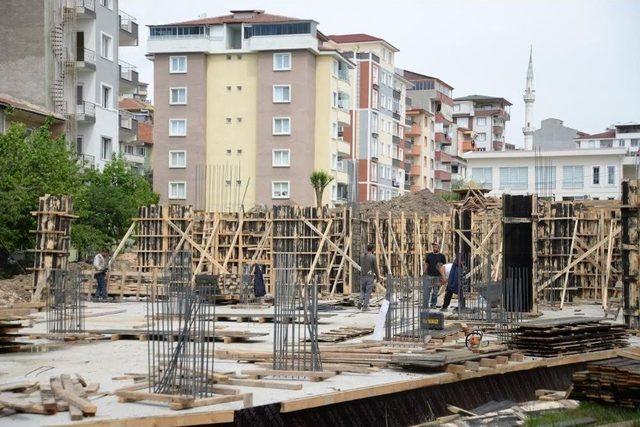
[
  {"x": 15, "y": 110},
  {"x": 487, "y": 116},
  {"x": 625, "y": 136},
  {"x": 247, "y": 105},
  {"x": 420, "y": 149},
  {"x": 434, "y": 95},
  {"x": 137, "y": 149},
  {"x": 378, "y": 113},
  {"x": 63, "y": 56}
]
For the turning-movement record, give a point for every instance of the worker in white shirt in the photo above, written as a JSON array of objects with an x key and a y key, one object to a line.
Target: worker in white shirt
[{"x": 100, "y": 265}]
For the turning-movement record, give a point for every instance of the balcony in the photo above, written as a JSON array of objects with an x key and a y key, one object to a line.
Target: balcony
[
  {"x": 443, "y": 157},
  {"x": 128, "y": 30},
  {"x": 86, "y": 161},
  {"x": 396, "y": 139},
  {"x": 134, "y": 159},
  {"x": 442, "y": 138},
  {"x": 344, "y": 148},
  {"x": 441, "y": 175},
  {"x": 128, "y": 127},
  {"x": 397, "y": 163},
  {"x": 414, "y": 130},
  {"x": 397, "y": 94},
  {"x": 85, "y": 9},
  {"x": 416, "y": 150},
  {"x": 492, "y": 112},
  {"x": 128, "y": 78},
  {"x": 85, "y": 60},
  {"x": 396, "y": 115},
  {"x": 415, "y": 170},
  {"x": 86, "y": 112},
  {"x": 497, "y": 130},
  {"x": 395, "y": 183}
]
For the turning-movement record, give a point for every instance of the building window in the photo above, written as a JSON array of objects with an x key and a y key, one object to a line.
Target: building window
[
  {"x": 177, "y": 159},
  {"x": 374, "y": 74},
  {"x": 281, "y": 93},
  {"x": 513, "y": 178},
  {"x": 281, "y": 126},
  {"x": 456, "y": 107},
  {"x": 282, "y": 61},
  {"x": 281, "y": 158},
  {"x": 177, "y": 127},
  {"x": 105, "y": 151},
  {"x": 178, "y": 190},
  {"x": 107, "y": 3},
  {"x": 596, "y": 175},
  {"x": 481, "y": 137},
  {"x": 280, "y": 190},
  {"x": 79, "y": 144},
  {"x": 545, "y": 177},
  {"x": 611, "y": 175},
  {"x": 634, "y": 142},
  {"x": 374, "y": 171},
  {"x": 177, "y": 64},
  {"x": 481, "y": 176},
  {"x": 106, "y": 47},
  {"x": 481, "y": 121},
  {"x": 178, "y": 96},
  {"x": 374, "y": 99},
  {"x": 334, "y": 162},
  {"x": 572, "y": 177},
  {"x": 107, "y": 95}
]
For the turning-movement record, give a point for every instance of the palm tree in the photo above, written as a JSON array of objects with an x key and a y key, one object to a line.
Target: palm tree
[{"x": 319, "y": 180}]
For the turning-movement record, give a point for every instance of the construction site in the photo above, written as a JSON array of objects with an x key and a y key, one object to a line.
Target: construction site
[{"x": 547, "y": 314}]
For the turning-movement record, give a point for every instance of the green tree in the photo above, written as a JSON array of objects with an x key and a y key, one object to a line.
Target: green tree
[
  {"x": 106, "y": 203},
  {"x": 319, "y": 181},
  {"x": 32, "y": 164}
]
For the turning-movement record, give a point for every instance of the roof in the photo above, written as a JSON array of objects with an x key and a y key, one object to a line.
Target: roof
[
  {"x": 132, "y": 104},
  {"x": 483, "y": 98},
  {"x": 241, "y": 16},
  {"x": 24, "y": 105},
  {"x": 145, "y": 132},
  {"x": 519, "y": 154},
  {"x": 412, "y": 76},
  {"x": 609, "y": 133},
  {"x": 358, "y": 38}
]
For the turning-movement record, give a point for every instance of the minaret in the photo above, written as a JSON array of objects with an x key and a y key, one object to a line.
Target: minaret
[{"x": 529, "y": 98}]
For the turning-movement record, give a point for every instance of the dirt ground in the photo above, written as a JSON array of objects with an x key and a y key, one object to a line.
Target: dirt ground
[
  {"x": 15, "y": 289},
  {"x": 421, "y": 202}
]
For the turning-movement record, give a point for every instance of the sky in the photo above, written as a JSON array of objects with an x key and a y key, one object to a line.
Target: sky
[{"x": 586, "y": 53}]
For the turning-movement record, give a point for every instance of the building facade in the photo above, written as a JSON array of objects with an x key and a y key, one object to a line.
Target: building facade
[
  {"x": 487, "y": 116},
  {"x": 625, "y": 137},
  {"x": 420, "y": 149},
  {"x": 63, "y": 56},
  {"x": 247, "y": 106},
  {"x": 378, "y": 115},
  {"x": 136, "y": 141},
  {"x": 554, "y": 135},
  {"x": 559, "y": 174}
]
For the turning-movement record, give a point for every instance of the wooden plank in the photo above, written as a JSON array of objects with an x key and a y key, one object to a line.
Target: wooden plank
[
  {"x": 261, "y": 384},
  {"x": 178, "y": 420}
]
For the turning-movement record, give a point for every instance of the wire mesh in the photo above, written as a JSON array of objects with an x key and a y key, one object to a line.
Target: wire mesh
[
  {"x": 295, "y": 322},
  {"x": 181, "y": 328},
  {"x": 65, "y": 302},
  {"x": 406, "y": 307}
]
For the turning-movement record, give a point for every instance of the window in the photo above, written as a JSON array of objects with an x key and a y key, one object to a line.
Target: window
[
  {"x": 79, "y": 144},
  {"x": 277, "y": 29},
  {"x": 374, "y": 75},
  {"x": 481, "y": 176},
  {"x": 107, "y": 3},
  {"x": 634, "y": 142},
  {"x": 178, "y": 190},
  {"x": 105, "y": 150},
  {"x": 334, "y": 130},
  {"x": 178, "y": 159},
  {"x": 572, "y": 177},
  {"x": 334, "y": 162},
  {"x": 178, "y": 96},
  {"x": 281, "y": 93},
  {"x": 177, "y": 64},
  {"x": 481, "y": 121},
  {"x": 280, "y": 190},
  {"x": 374, "y": 99},
  {"x": 481, "y": 137},
  {"x": 106, "y": 46},
  {"x": 606, "y": 143},
  {"x": 374, "y": 171},
  {"x": 514, "y": 178},
  {"x": 596, "y": 175},
  {"x": 611, "y": 175},
  {"x": 106, "y": 101},
  {"x": 335, "y": 68},
  {"x": 281, "y": 126},
  {"x": 545, "y": 177},
  {"x": 281, "y": 158},
  {"x": 456, "y": 107},
  {"x": 282, "y": 61},
  {"x": 374, "y": 123},
  {"x": 177, "y": 127}
]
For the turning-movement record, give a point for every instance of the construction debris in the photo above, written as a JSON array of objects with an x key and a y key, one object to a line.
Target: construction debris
[
  {"x": 421, "y": 202},
  {"x": 615, "y": 381}
]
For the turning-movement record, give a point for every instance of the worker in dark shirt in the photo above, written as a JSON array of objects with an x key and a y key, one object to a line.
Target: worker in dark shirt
[
  {"x": 367, "y": 274},
  {"x": 434, "y": 276}
]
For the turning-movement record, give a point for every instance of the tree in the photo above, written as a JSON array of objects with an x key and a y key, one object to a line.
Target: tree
[
  {"x": 32, "y": 164},
  {"x": 319, "y": 180},
  {"x": 106, "y": 203}
]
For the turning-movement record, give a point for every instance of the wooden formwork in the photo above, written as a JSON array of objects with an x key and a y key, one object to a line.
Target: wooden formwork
[{"x": 630, "y": 219}]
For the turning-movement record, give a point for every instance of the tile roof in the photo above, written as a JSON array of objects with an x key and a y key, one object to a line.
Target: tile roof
[
  {"x": 24, "y": 105},
  {"x": 412, "y": 75},
  {"x": 482, "y": 98},
  {"x": 145, "y": 132},
  {"x": 357, "y": 38},
  {"x": 130, "y": 104},
  {"x": 241, "y": 16},
  {"x": 609, "y": 133}
]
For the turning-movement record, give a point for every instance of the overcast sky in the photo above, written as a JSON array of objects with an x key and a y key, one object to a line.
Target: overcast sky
[{"x": 586, "y": 52}]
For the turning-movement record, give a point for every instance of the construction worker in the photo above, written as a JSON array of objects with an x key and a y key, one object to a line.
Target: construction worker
[
  {"x": 100, "y": 266},
  {"x": 434, "y": 276},
  {"x": 368, "y": 275}
]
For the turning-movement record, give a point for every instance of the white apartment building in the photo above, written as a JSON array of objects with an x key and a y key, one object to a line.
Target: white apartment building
[
  {"x": 591, "y": 173},
  {"x": 487, "y": 116},
  {"x": 623, "y": 136}
]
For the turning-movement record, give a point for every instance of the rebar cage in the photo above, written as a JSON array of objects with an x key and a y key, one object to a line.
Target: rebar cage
[
  {"x": 295, "y": 322},
  {"x": 65, "y": 302},
  {"x": 181, "y": 328},
  {"x": 406, "y": 306}
]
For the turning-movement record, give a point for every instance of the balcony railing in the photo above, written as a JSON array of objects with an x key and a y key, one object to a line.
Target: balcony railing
[
  {"x": 396, "y": 115},
  {"x": 86, "y": 111},
  {"x": 397, "y": 94},
  {"x": 87, "y": 4},
  {"x": 86, "y": 161},
  {"x": 443, "y": 157},
  {"x": 87, "y": 56},
  {"x": 126, "y": 120},
  {"x": 127, "y": 71},
  {"x": 127, "y": 22}
]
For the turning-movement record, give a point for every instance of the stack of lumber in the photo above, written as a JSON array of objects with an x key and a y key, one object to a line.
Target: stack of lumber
[
  {"x": 571, "y": 335},
  {"x": 614, "y": 381},
  {"x": 11, "y": 321},
  {"x": 63, "y": 393},
  {"x": 439, "y": 361},
  {"x": 343, "y": 333}
]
